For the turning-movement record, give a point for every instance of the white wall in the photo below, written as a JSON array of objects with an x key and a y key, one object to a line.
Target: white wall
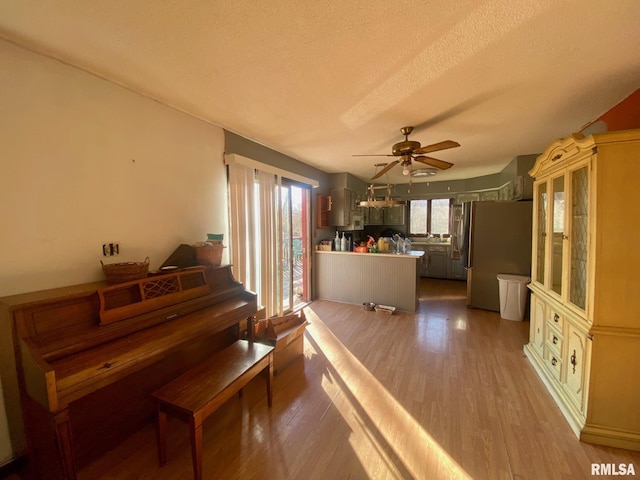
[{"x": 83, "y": 161}]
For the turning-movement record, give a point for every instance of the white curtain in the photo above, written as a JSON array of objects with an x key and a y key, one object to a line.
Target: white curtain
[{"x": 255, "y": 215}]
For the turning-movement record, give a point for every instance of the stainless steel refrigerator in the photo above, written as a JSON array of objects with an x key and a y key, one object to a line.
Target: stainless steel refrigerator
[{"x": 497, "y": 239}]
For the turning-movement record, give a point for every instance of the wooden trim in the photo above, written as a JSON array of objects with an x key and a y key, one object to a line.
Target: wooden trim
[
  {"x": 610, "y": 437},
  {"x": 148, "y": 294}
]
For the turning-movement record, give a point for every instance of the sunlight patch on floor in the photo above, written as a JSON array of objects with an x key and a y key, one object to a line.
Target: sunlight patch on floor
[{"x": 375, "y": 417}]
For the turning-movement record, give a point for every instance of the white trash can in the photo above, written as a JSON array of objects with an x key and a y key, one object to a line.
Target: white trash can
[{"x": 513, "y": 296}]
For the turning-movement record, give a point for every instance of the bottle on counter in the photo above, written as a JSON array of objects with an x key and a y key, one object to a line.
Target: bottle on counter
[
  {"x": 336, "y": 243},
  {"x": 343, "y": 243}
]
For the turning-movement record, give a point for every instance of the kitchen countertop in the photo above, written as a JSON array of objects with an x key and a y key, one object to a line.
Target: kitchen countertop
[
  {"x": 351, "y": 277},
  {"x": 439, "y": 244},
  {"x": 411, "y": 254}
]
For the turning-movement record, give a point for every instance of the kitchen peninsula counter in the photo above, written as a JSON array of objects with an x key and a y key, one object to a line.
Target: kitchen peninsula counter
[{"x": 381, "y": 278}]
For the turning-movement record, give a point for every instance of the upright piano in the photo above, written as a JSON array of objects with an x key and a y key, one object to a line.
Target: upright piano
[{"x": 88, "y": 356}]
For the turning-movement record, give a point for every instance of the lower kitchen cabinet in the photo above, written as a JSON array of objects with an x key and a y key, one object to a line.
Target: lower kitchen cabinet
[
  {"x": 422, "y": 262},
  {"x": 456, "y": 270},
  {"x": 437, "y": 261}
]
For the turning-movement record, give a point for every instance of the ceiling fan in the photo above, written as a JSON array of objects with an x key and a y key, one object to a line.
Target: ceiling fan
[{"x": 409, "y": 150}]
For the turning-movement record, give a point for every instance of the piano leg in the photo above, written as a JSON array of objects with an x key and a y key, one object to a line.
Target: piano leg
[
  {"x": 161, "y": 435},
  {"x": 63, "y": 434}
]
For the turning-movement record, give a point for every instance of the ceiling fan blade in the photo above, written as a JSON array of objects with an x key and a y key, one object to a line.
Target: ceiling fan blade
[
  {"x": 385, "y": 169},
  {"x": 433, "y": 162},
  {"x": 373, "y": 155},
  {"x": 437, "y": 146}
]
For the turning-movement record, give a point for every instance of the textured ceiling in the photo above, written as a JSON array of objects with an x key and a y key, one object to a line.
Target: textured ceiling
[{"x": 322, "y": 80}]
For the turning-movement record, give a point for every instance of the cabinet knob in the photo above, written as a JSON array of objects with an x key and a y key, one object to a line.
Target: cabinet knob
[
  {"x": 574, "y": 362},
  {"x": 553, "y": 361},
  {"x": 556, "y": 317},
  {"x": 555, "y": 340}
]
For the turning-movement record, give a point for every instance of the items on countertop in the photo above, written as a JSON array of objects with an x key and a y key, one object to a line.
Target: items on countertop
[{"x": 343, "y": 242}]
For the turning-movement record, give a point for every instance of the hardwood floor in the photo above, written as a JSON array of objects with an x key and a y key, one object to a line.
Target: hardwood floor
[{"x": 443, "y": 393}]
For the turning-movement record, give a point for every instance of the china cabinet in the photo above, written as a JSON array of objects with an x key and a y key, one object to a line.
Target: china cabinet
[{"x": 584, "y": 338}]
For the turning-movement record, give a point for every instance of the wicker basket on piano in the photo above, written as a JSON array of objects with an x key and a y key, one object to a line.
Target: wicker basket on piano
[
  {"x": 209, "y": 255},
  {"x": 126, "y": 271}
]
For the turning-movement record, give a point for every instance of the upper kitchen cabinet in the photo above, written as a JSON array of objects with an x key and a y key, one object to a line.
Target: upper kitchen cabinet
[
  {"x": 585, "y": 340},
  {"x": 344, "y": 210},
  {"x": 323, "y": 217},
  {"x": 373, "y": 216},
  {"x": 340, "y": 207},
  {"x": 394, "y": 215},
  {"x": 384, "y": 215}
]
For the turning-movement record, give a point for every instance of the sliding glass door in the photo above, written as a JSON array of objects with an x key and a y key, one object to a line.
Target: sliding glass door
[
  {"x": 269, "y": 236},
  {"x": 295, "y": 240}
]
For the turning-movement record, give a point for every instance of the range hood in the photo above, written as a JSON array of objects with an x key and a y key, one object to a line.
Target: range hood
[{"x": 387, "y": 201}]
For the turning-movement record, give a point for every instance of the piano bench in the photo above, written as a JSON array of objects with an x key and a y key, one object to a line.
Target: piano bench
[{"x": 198, "y": 392}]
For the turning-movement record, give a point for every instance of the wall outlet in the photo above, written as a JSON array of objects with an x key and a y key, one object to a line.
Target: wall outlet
[{"x": 110, "y": 249}]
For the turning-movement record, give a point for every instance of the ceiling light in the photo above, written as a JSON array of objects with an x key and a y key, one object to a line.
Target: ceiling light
[
  {"x": 424, "y": 172},
  {"x": 405, "y": 171}
]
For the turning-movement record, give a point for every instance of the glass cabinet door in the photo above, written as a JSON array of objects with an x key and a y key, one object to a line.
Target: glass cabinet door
[
  {"x": 578, "y": 231},
  {"x": 558, "y": 233},
  {"x": 542, "y": 210}
]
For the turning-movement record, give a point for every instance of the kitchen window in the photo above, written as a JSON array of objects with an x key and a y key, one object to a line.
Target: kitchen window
[{"x": 429, "y": 216}]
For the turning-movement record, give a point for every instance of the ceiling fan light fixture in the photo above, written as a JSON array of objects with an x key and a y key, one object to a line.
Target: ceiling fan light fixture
[
  {"x": 410, "y": 150},
  {"x": 423, "y": 172}
]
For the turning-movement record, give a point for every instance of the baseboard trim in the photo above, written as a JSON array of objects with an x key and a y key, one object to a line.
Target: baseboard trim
[{"x": 610, "y": 438}]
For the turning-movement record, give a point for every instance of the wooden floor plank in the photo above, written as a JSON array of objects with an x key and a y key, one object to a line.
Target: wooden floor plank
[{"x": 442, "y": 393}]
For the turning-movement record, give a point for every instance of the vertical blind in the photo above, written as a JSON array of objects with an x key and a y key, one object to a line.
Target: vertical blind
[{"x": 256, "y": 245}]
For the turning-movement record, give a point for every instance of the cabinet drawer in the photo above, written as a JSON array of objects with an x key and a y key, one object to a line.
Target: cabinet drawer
[
  {"x": 554, "y": 338},
  {"x": 553, "y": 362},
  {"x": 556, "y": 319}
]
